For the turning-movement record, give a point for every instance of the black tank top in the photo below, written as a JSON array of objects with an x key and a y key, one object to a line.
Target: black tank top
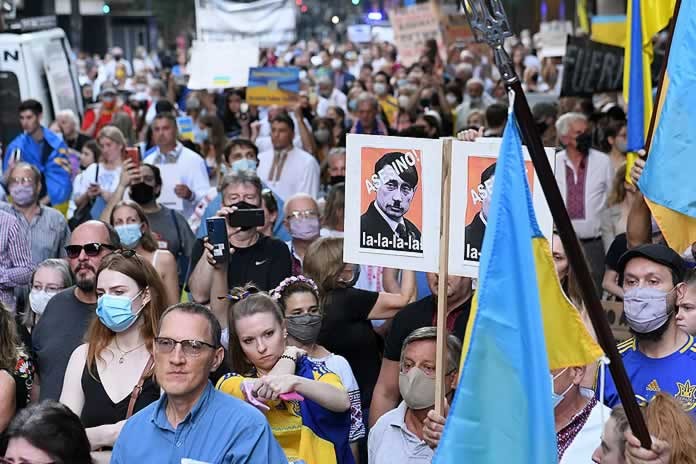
[{"x": 100, "y": 410}]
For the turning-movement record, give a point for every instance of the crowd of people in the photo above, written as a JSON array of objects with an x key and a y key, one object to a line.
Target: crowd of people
[{"x": 124, "y": 338}]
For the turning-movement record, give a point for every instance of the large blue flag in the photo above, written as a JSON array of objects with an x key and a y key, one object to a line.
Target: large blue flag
[{"x": 502, "y": 410}]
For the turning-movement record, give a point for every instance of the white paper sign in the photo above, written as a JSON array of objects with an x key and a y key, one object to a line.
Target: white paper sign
[
  {"x": 473, "y": 176},
  {"x": 170, "y": 177},
  {"x": 220, "y": 65}
]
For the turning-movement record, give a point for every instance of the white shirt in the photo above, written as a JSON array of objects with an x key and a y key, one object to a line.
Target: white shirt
[
  {"x": 598, "y": 179},
  {"x": 590, "y": 436},
  {"x": 300, "y": 173},
  {"x": 391, "y": 442},
  {"x": 337, "y": 98},
  {"x": 189, "y": 170},
  {"x": 108, "y": 179},
  {"x": 263, "y": 141}
]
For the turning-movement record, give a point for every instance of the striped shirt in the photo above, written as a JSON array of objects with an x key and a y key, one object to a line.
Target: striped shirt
[
  {"x": 48, "y": 232},
  {"x": 15, "y": 258}
]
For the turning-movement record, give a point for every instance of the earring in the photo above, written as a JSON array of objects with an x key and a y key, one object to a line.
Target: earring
[{"x": 285, "y": 334}]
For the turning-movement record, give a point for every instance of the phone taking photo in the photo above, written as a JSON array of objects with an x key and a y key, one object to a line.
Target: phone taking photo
[
  {"x": 217, "y": 236},
  {"x": 246, "y": 218}
]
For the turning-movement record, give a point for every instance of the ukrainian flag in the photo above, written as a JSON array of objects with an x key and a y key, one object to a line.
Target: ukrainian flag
[
  {"x": 668, "y": 179},
  {"x": 502, "y": 410}
]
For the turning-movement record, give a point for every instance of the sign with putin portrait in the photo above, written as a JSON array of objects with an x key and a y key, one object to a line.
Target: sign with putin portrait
[
  {"x": 393, "y": 197},
  {"x": 473, "y": 181}
]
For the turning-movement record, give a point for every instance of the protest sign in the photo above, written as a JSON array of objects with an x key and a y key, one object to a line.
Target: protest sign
[
  {"x": 389, "y": 225},
  {"x": 456, "y": 29},
  {"x": 473, "y": 174},
  {"x": 591, "y": 67},
  {"x": 273, "y": 86},
  {"x": 267, "y": 22},
  {"x": 219, "y": 65},
  {"x": 617, "y": 320},
  {"x": 414, "y": 25},
  {"x": 185, "y": 126},
  {"x": 360, "y": 33}
]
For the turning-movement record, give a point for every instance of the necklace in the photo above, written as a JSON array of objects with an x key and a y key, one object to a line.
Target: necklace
[{"x": 125, "y": 353}]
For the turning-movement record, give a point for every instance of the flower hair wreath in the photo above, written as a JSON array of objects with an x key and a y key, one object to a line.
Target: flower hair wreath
[{"x": 277, "y": 292}]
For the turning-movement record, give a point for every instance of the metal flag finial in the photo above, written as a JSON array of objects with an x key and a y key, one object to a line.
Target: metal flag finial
[{"x": 489, "y": 23}]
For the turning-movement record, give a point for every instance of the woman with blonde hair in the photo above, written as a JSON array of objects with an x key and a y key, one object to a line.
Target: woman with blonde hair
[
  {"x": 100, "y": 180},
  {"x": 613, "y": 218},
  {"x": 109, "y": 378},
  {"x": 133, "y": 228},
  {"x": 346, "y": 328}
]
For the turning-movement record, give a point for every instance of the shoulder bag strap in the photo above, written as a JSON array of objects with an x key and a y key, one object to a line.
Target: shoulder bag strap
[{"x": 139, "y": 387}]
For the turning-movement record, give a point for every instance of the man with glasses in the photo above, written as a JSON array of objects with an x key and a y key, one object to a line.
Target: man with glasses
[
  {"x": 45, "y": 227},
  {"x": 67, "y": 315},
  {"x": 383, "y": 225},
  {"x": 302, "y": 220},
  {"x": 193, "y": 422}
]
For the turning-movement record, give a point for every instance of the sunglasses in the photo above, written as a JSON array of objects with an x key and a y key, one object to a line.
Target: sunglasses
[
  {"x": 191, "y": 348},
  {"x": 91, "y": 250}
]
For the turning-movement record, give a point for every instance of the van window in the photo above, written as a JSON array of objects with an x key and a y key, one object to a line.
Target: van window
[{"x": 9, "y": 102}]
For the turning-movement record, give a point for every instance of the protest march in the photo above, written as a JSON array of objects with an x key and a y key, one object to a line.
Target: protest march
[{"x": 347, "y": 232}]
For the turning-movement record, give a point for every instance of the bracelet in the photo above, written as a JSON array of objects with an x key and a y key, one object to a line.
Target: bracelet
[{"x": 285, "y": 356}]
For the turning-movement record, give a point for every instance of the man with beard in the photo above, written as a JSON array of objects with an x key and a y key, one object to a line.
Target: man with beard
[
  {"x": 66, "y": 317},
  {"x": 383, "y": 224},
  {"x": 660, "y": 356}
]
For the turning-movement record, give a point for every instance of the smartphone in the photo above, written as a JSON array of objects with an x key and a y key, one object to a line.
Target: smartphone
[
  {"x": 132, "y": 153},
  {"x": 217, "y": 236},
  {"x": 246, "y": 218}
]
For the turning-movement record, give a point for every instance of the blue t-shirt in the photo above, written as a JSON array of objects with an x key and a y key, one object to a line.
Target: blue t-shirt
[
  {"x": 219, "y": 429},
  {"x": 674, "y": 374}
]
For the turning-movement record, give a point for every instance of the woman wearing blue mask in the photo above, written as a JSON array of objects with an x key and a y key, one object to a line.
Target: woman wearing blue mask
[
  {"x": 133, "y": 228},
  {"x": 115, "y": 364}
]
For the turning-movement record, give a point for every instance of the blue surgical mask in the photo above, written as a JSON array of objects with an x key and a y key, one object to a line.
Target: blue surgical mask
[
  {"x": 244, "y": 164},
  {"x": 130, "y": 234},
  {"x": 555, "y": 397},
  {"x": 116, "y": 312}
]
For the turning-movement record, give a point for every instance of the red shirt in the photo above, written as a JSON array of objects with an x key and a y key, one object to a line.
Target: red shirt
[{"x": 105, "y": 118}]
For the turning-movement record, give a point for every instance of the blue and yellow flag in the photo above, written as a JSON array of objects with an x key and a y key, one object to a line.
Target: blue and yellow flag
[
  {"x": 668, "y": 178},
  {"x": 502, "y": 411}
]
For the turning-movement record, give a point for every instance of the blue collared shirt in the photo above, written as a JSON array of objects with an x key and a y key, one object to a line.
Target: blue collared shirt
[{"x": 219, "y": 429}]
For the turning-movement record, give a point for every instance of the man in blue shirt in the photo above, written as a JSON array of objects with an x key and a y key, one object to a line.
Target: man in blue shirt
[
  {"x": 193, "y": 422},
  {"x": 660, "y": 356},
  {"x": 42, "y": 148}
]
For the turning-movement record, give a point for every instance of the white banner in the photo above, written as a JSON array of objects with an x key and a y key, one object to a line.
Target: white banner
[
  {"x": 220, "y": 65},
  {"x": 267, "y": 22}
]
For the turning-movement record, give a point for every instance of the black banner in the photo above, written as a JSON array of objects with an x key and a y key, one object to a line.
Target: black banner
[{"x": 591, "y": 67}]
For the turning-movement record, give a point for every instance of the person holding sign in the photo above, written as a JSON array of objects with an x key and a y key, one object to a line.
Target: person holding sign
[{"x": 383, "y": 225}]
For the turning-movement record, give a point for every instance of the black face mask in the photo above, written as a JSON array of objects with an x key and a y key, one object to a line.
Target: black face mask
[
  {"x": 142, "y": 193},
  {"x": 583, "y": 143},
  {"x": 337, "y": 180},
  {"x": 542, "y": 126},
  {"x": 425, "y": 102}
]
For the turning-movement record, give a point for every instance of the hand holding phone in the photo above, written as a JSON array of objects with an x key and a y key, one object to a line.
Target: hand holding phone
[
  {"x": 218, "y": 242},
  {"x": 133, "y": 154}
]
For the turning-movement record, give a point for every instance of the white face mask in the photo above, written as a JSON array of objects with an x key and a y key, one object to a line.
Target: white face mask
[{"x": 38, "y": 299}]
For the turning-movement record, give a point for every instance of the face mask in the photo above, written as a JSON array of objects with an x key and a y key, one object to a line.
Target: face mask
[
  {"x": 129, "y": 234},
  {"x": 337, "y": 180},
  {"x": 556, "y": 398},
  {"x": 142, "y": 193},
  {"x": 336, "y": 64},
  {"x": 22, "y": 195},
  {"x": 210, "y": 163},
  {"x": 403, "y": 101},
  {"x": 645, "y": 309},
  {"x": 451, "y": 99},
  {"x": 38, "y": 299},
  {"x": 475, "y": 101},
  {"x": 583, "y": 142},
  {"x": 116, "y": 312},
  {"x": 621, "y": 146},
  {"x": 424, "y": 102},
  {"x": 353, "y": 105},
  {"x": 304, "y": 228},
  {"x": 542, "y": 126},
  {"x": 303, "y": 74},
  {"x": 380, "y": 88},
  {"x": 322, "y": 136},
  {"x": 417, "y": 389},
  {"x": 244, "y": 164},
  {"x": 304, "y": 328},
  {"x": 401, "y": 83},
  {"x": 200, "y": 136}
]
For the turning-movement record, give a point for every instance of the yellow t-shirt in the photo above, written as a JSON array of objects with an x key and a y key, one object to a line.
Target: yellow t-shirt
[
  {"x": 296, "y": 438},
  {"x": 390, "y": 106}
]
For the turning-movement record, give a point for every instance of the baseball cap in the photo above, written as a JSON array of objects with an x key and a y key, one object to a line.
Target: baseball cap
[{"x": 658, "y": 253}]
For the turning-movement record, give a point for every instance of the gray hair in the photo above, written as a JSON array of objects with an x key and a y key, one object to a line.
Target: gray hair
[
  {"x": 337, "y": 151},
  {"x": 195, "y": 308},
  {"x": 241, "y": 177},
  {"x": 24, "y": 164},
  {"x": 60, "y": 265},
  {"x": 565, "y": 121},
  {"x": 371, "y": 99},
  {"x": 298, "y": 196},
  {"x": 454, "y": 346},
  {"x": 69, "y": 114}
]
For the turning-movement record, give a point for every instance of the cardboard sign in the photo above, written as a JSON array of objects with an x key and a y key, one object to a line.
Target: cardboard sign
[
  {"x": 617, "y": 320},
  {"x": 389, "y": 225},
  {"x": 273, "y": 86},
  {"x": 412, "y": 26},
  {"x": 591, "y": 67},
  {"x": 473, "y": 176},
  {"x": 456, "y": 29}
]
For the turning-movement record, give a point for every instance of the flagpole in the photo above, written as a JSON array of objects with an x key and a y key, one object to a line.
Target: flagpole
[{"x": 489, "y": 23}]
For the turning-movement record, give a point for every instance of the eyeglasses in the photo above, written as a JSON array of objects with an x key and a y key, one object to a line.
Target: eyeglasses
[
  {"x": 91, "y": 249},
  {"x": 22, "y": 461},
  {"x": 192, "y": 348},
  {"x": 21, "y": 180},
  {"x": 308, "y": 213}
]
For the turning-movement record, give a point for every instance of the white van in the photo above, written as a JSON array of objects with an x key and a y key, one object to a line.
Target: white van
[{"x": 36, "y": 65}]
